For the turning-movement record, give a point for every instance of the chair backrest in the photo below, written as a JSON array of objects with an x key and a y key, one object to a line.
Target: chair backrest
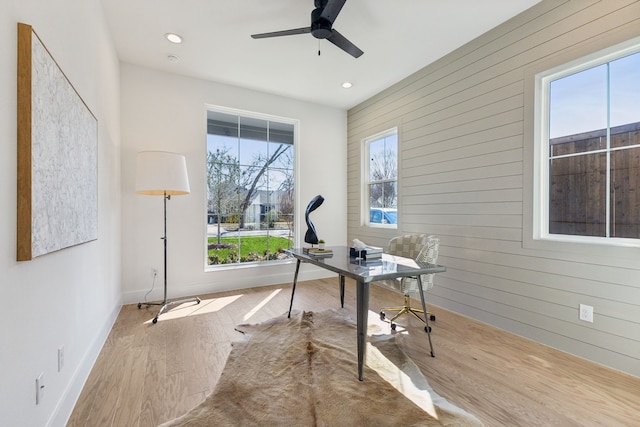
[
  {"x": 420, "y": 247},
  {"x": 408, "y": 246}
]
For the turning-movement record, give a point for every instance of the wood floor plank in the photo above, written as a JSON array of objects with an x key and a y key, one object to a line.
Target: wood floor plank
[
  {"x": 175, "y": 331},
  {"x": 155, "y": 336},
  {"x": 176, "y": 392},
  {"x": 165, "y": 369},
  {"x": 86, "y": 400},
  {"x": 110, "y": 383},
  {"x": 130, "y": 400},
  {"x": 197, "y": 341},
  {"x": 153, "y": 399}
]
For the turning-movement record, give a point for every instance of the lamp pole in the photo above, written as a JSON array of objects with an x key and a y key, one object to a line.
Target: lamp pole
[{"x": 166, "y": 197}]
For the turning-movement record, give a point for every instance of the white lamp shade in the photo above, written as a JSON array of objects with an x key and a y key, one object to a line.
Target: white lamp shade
[{"x": 160, "y": 172}]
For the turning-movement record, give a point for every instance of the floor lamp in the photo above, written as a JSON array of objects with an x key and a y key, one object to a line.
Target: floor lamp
[{"x": 160, "y": 173}]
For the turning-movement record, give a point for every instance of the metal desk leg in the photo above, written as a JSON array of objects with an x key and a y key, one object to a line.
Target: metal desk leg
[
  {"x": 362, "y": 297},
  {"x": 293, "y": 289},
  {"x": 342, "y": 291},
  {"x": 426, "y": 315}
]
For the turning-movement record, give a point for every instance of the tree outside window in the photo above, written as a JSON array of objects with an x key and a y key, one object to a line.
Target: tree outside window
[{"x": 250, "y": 188}]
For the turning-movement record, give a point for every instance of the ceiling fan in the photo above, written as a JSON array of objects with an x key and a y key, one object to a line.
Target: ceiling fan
[{"x": 322, "y": 18}]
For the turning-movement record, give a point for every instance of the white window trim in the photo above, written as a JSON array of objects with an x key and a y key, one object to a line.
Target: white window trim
[
  {"x": 540, "y": 199},
  {"x": 365, "y": 212},
  {"x": 296, "y": 173}
]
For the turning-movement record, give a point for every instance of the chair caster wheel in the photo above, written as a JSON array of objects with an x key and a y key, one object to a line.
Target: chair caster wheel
[
  {"x": 432, "y": 317},
  {"x": 155, "y": 320},
  {"x": 382, "y": 315},
  {"x": 197, "y": 300},
  {"x": 139, "y": 305},
  {"x": 427, "y": 329},
  {"x": 393, "y": 326}
]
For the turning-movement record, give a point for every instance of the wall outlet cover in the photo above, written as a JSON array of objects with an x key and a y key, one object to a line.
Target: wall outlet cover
[{"x": 586, "y": 313}]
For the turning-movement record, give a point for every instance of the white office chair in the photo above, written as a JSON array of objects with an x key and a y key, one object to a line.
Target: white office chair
[{"x": 422, "y": 248}]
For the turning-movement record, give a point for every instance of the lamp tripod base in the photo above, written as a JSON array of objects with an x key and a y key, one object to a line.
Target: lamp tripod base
[{"x": 165, "y": 305}]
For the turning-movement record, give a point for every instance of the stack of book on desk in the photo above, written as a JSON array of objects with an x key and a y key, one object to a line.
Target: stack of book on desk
[
  {"x": 368, "y": 253},
  {"x": 318, "y": 253}
]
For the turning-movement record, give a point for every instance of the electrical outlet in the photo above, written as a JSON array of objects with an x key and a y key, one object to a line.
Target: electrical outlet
[
  {"x": 60, "y": 358},
  {"x": 586, "y": 313},
  {"x": 154, "y": 272},
  {"x": 39, "y": 388}
]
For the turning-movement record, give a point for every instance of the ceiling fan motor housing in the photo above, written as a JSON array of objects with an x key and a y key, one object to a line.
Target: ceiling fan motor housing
[{"x": 320, "y": 27}]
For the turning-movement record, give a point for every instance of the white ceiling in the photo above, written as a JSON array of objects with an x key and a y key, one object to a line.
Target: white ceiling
[{"x": 398, "y": 38}]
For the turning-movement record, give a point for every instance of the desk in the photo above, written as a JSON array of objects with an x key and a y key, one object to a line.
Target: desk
[{"x": 365, "y": 272}]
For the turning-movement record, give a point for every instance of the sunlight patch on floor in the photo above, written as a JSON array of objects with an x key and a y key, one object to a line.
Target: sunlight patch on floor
[
  {"x": 418, "y": 392},
  {"x": 261, "y": 304}
]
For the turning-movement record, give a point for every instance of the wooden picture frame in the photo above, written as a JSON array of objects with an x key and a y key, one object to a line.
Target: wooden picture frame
[{"x": 57, "y": 199}]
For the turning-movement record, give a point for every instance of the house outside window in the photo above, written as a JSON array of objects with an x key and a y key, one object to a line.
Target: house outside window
[
  {"x": 589, "y": 150},
  {"x": 250, "y": 187},
  {"x": 381, "y": 179}
]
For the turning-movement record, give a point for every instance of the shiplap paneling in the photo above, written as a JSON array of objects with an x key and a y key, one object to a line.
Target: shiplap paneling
[{"x": 462, "y": 124}]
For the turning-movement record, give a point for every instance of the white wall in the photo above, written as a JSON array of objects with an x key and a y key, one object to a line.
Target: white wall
[
  {"x": 70, "y": 297},
  {"x": 162, "y": 111},
  {"x": 466, "y": 175}
]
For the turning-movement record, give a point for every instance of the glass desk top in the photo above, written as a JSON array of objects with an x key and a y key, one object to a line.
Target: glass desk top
[{"x": 386, "y": 267}]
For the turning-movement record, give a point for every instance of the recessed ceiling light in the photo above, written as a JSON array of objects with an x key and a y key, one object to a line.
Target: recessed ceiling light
[
  {"x": 346, "y": 85},
  {"x": 174, "y": 38}
]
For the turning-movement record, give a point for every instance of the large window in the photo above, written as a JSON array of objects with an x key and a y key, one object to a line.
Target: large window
[
  {"x": 381, "y": 179},
  {"x": 589, "y": 149},
  {"x": 250, "y": 187}
]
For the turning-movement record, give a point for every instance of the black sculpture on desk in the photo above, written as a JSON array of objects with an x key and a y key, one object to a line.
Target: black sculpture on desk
[{"x": 311, "y": 236}]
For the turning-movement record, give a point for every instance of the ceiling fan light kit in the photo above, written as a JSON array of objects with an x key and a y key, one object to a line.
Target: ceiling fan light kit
[{"x": 322, "y": 19}]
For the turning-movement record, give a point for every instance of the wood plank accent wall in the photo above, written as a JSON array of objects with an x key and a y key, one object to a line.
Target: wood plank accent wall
[{"x": 462, "y": 139}]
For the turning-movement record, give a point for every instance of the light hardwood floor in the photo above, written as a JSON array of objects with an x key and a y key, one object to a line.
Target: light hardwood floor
[{"x": 147, "y": 374}]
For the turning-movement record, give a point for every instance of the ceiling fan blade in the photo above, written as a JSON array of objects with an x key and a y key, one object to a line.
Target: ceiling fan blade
[
  {"x": 332, "y": 9},
  {"x": 339, "y": 40},
  {"x": 293, "y": 32}
]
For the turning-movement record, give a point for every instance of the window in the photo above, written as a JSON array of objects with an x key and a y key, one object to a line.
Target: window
[
  {"x": 250, "y": 187},
  {"x": 381, "y": 179},
  {"x": 589, "y": 150}
]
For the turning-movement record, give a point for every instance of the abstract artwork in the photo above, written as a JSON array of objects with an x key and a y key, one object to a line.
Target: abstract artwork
[{"x": 57, "y": 204}]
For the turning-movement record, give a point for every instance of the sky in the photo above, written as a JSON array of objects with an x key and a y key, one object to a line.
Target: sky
[{"x": 578, "y": 102}]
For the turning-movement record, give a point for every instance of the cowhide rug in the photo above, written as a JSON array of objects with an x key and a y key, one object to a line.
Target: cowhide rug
[{"x": 302, "y": 371}]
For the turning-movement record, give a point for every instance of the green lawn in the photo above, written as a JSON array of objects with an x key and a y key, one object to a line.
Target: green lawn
[{"x": 252, "y": 248}]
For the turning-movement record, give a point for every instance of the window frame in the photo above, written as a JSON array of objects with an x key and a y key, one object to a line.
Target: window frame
[
  {"x": 296, "y": 208},
  {"x": 366, "y": 208},
  {"x": 540, "y": 160}
]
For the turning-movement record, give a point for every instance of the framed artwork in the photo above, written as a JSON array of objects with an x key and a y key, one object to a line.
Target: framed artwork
[{"x": 57, "y": 204}]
